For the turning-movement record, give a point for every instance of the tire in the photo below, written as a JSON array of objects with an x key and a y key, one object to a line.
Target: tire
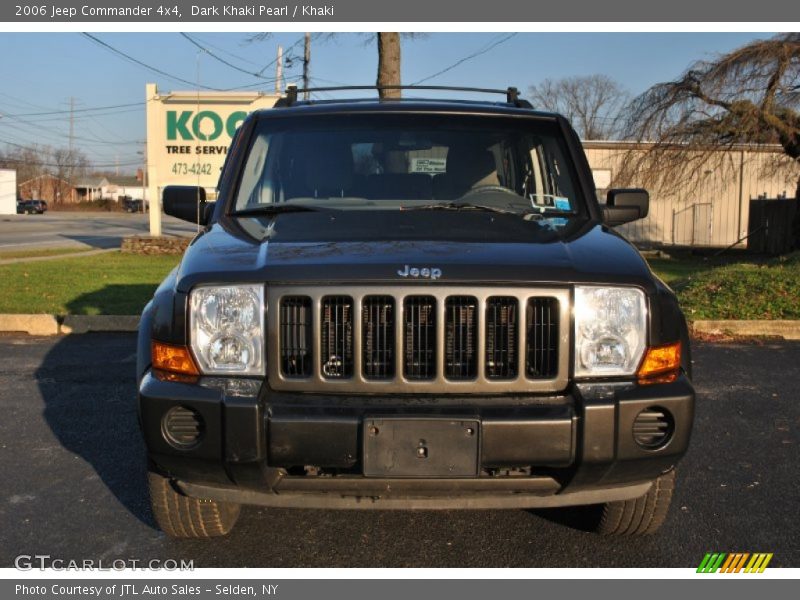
[
  {"x": 180, "y": 516},
  {"x": 640, "y": 516}
]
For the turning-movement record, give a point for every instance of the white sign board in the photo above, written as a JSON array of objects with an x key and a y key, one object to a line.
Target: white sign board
[
  {"x": 8, "y": 192},
  {"x": 602, "y": 178},
  {"x": 188, "y": 134}
]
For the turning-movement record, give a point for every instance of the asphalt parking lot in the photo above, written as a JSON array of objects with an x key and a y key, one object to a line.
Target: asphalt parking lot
[
  {"x": 74, "y": 479},
  {"x": 87, "y": 230}
]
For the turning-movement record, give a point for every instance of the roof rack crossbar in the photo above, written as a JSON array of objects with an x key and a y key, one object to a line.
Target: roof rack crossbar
[{"x": 511, "y": 93}]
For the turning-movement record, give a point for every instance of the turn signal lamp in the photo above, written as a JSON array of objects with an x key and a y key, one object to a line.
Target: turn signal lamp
[
  {"x": 175, "y": 359},
  {"x": 660, "y": 364}
]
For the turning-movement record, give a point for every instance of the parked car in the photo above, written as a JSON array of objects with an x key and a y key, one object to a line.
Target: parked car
[
  {"x": 31, "y": 206},
  {"x": 411, "y": 304},
  {"x": 132, "y": 205}
]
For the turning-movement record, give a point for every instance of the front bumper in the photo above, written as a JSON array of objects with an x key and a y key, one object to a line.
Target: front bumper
[{"x": 262, "y": 447}]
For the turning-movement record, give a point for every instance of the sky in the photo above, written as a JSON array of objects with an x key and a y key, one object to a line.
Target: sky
[{"x": 42, "y": 71}]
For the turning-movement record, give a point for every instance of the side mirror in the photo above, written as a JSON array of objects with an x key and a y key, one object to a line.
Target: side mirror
[
  {"x": 181, "y": 201},
  {"x": 625, "y": 205}
]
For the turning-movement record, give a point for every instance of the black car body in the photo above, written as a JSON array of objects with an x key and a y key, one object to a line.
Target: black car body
[
  {"x": 30, "y": 207},
  {"x": 132, "y": 205},
  {"x": 407, "y": 343}
]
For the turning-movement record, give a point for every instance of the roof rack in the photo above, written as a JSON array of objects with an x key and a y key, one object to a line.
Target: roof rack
[{"x": 511, "y": 93}]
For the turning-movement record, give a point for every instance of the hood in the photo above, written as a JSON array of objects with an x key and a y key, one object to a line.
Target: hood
[{"x": 380, "y": 246}]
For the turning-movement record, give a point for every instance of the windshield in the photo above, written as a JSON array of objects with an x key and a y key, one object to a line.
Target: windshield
[{"x": 408, "y": 161}]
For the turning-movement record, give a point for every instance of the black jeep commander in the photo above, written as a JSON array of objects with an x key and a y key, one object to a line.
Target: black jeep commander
[{"x": 411, "y": 304}]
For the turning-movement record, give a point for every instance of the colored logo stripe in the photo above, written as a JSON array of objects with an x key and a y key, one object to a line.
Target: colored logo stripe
[{"x": 734, "y": 562}]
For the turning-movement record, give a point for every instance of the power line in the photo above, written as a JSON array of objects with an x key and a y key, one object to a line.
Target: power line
[
  {"x": 77, "y": 118},
  {"x": 466, "y": 58},
  {"x": 49, "y": 133},
  {"x": 77, "y": 110},
  {"x": 128, "y": 57},
  {"x": 287, "y": 56},
  {"x": 7, "y": 160},
  {"x": 222, "y": 60},
  {"x": 145, "y": 65},
  {"x": 224, "y": 51}
]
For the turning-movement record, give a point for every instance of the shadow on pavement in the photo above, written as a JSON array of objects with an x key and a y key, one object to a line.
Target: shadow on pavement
[
  {"x": 88, "y": 386},
  {"x": 581, "y": 518}
]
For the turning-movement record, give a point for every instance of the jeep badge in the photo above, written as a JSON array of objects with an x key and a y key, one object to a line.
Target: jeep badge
[{"x": 423, "y": 273}]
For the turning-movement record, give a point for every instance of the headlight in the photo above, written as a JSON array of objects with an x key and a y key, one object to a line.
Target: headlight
[
  {"x": 227, "y": 328},
  {"x": 610, "y": 330}
]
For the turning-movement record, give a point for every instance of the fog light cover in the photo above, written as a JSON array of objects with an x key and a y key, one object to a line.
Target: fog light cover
[
  {"x": 227, "y": 329},
  {"x": 610, "y": 330},
  {"x": 653, "y": 428},
  {"x": 183, "y": 427}
]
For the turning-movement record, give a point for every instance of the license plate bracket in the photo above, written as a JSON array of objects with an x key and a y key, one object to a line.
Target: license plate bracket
[{"x": 404, "y": 447}]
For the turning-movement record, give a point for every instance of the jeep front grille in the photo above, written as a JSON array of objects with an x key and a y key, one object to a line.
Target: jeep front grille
[
  {"x": 337, "y": 336},
  {"x": 296, "y": 339},
  {"x": 461, "y": 337},
  {"x": 377, "y": 325},
  {"x": 542, "y": 337},
  {"x": 501, "y": 337},
  {"x": 417, "y": 339}
]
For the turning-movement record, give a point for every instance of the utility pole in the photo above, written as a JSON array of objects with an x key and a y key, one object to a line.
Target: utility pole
[
  {"x": 71, "y": 124},
  {"x": 279, "y": 70},
  {"x": 306, "y": 60}
]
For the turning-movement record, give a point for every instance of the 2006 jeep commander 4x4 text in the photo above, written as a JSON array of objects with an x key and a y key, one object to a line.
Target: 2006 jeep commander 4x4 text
[{"x": 411, "y": 304}]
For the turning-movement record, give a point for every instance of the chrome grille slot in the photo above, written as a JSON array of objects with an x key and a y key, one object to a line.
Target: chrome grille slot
[
  {"x": 427, "y": 338},
  {"x": 461, "y": 337},
  {"x": 295, "y": 332},
  {"x": 542, "y": 338},
  {"x": 377, "y": 325},
  {"x": 336, "y": 331},
  {"x": 419, "y": 358},
  {"x": 501, "y": 337}
]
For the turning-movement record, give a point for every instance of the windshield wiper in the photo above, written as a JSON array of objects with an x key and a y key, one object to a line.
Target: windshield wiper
[
  {"x": 547, "y": 214},
  {"x": 460, "y": 206},
  {"x": 275, "y": 209}
]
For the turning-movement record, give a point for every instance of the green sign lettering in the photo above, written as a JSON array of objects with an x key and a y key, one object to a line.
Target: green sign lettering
[
  {"x": 233, "y": 121},
  {"x": 177, "y": 125},
  {"x": 215, "y": 120}
]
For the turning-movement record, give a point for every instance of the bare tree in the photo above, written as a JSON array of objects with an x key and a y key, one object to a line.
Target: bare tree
[
  {"x": 64, "y": 164},
  {"x": 749, "y": 96},
  {"x": 28, "y": 161},
  {"x": 592, "y": 103},
  {"x": 69, "y": 164}
]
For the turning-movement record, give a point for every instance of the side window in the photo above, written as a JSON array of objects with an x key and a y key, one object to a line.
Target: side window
[
  {"x": 536, "y": 186},
  {"x": 549, "y": 184},
  {"x": 250, "y": 187}
]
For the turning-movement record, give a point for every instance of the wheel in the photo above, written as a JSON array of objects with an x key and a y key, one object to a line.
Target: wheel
[
  {"x": 642, "y": 515},
  {"x": 180, "y": 516}
]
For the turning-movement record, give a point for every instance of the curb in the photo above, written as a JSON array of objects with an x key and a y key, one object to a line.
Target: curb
[
  {"x": 30, "y": 324},
  {"x": 88, "y": 323},
  {"x": 786, "y": 329},
  {"x": 62, "y": 325}
]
